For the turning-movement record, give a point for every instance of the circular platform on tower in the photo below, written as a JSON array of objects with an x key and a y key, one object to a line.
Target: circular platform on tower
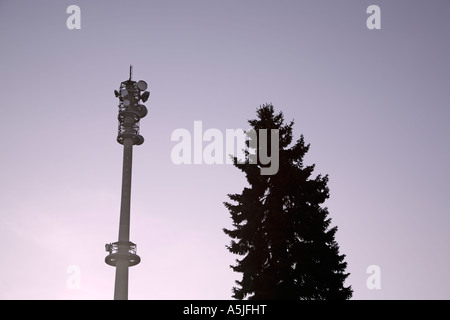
[{"x": 122, "y": 250}]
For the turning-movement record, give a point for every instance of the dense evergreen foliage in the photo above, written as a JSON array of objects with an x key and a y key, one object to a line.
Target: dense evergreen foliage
[{"x": 281, "y": 231}]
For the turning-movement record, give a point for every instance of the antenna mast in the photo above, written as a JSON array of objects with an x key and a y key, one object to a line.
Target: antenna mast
[{"x": 122, "y": 254}]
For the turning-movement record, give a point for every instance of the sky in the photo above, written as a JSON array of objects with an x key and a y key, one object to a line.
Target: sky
[{"x": 372, "y": 103}]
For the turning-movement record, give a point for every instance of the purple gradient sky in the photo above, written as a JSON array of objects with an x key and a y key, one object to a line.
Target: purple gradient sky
[{"x": 373, "y": 104}]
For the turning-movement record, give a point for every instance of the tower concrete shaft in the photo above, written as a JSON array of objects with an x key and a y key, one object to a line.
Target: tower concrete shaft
[
  {"x": 121, "y": 282},
  {"x": 124, "y": 223}
]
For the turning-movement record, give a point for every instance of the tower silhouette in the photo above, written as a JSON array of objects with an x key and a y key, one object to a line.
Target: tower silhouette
[{"x": 122, "y": 254}]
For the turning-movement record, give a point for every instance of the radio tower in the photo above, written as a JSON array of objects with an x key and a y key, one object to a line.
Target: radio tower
[{"x": 122, "y": 254}]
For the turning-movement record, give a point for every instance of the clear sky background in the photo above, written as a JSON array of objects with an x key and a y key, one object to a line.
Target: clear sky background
[{"x": 373, "y": 104}]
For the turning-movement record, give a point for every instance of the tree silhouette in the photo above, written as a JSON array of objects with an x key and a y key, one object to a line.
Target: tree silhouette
[{"x": 280, "y": 228}]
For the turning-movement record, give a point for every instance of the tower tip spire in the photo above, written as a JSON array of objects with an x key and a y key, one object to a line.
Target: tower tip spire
[{"x": 131, "y": 72}]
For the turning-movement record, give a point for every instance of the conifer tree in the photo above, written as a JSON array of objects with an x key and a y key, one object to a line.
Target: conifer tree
[{"x": 281, "y": 230}]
